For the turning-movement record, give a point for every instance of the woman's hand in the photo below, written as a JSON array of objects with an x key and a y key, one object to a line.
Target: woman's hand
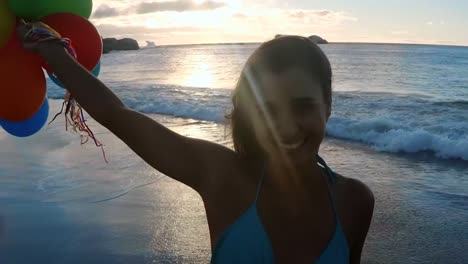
[{"x": 39, "y": 47}]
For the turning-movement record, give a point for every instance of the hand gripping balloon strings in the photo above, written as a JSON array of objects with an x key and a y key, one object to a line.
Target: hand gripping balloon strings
[{"x": 74, "y": 117}]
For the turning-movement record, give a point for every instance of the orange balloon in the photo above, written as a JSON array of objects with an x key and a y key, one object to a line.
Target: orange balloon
[{"x": 22, "y": 82}]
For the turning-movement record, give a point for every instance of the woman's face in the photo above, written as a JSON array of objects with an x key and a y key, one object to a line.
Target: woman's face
[{"x": 296, "y": 113}]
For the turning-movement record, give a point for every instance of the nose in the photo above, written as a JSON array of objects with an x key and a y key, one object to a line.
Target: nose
[{"x": 286, "y": 128}]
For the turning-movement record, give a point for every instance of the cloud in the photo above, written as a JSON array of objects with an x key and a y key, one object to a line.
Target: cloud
[
  {"x": 177, "y": 5},
  {"x": 104, "y": 11},
  {"x": 239, "y": 15},
  {"x": 122, "y": 31},
  {"x": 215, "y": 21},
  {"x": 441, "y": 22},
  {"x": 115, "y": 8},
  {"x": 323, "y": 12},
  {"x": 317, "y": 17},
  {"x": 304, "y": 14}
]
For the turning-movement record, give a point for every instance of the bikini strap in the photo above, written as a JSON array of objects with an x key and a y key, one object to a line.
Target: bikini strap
[
  {"x": 259, "y": 187},
  {"x": 331, "y": 175},
  {"x": 331, "y": 180}
]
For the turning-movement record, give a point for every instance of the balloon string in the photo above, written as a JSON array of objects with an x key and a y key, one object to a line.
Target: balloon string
[
  {"x": 41, "y": 32},
  {"x": 74, "y": 116}
]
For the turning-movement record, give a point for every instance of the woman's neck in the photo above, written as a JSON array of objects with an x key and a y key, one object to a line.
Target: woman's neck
[{"x": 290, "y": 179}]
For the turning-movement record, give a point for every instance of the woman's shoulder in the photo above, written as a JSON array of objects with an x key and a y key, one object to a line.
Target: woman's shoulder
[
  {"x": 355, "y": 192},
  {"x": 355, "y": 204},
  {"x": 354, "y": 189}
]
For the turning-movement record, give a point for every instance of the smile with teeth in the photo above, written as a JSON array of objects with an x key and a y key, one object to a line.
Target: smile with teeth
[{"x": 292, "y": 146}]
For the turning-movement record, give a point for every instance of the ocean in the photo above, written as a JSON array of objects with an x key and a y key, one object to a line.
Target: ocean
[
  {"x": 399, "y": 123},
  {"x": 394, "y": 98}
]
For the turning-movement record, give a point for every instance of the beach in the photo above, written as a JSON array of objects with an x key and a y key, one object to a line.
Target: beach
[{"x": 60, "y": 202}]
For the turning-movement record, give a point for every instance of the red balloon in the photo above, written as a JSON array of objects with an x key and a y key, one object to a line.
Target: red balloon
[
  {"x": 22, "y": 82},
  {"x": 84, "y": 36}
]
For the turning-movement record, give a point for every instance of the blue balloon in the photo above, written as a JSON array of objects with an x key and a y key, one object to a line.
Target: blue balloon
[
  {"x": 95, "y": 72},
  {"x": 29, "y": 126}
]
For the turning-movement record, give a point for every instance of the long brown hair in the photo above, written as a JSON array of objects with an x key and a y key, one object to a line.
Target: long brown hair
[{"x": 275, "y": 56}]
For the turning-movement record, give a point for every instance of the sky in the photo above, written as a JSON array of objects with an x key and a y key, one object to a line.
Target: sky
[{"x": 220, "y": 21}]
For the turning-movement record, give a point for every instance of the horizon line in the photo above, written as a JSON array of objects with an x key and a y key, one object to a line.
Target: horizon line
[{"x": 334, "y": 42}]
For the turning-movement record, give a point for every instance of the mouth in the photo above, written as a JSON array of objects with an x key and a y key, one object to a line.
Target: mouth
[{"x": 293, "y": 146}]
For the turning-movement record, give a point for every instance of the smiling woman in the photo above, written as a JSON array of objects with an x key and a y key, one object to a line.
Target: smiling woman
[
  {"x": 399, "y": 124},
  {"x": 274, "y": 173}
]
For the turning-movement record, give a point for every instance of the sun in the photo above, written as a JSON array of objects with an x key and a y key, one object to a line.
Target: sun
[{"x": 203, "y": 76}]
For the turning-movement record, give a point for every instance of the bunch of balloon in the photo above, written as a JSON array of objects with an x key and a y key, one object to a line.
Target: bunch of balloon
[{"x": 24, "y": 106}]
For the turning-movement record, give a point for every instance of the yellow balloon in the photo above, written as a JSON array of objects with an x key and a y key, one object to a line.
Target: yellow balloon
[{"x": 7, "y": 22}]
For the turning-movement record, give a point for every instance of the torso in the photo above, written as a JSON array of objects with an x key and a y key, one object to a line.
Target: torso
[{"x": 301, "y": 232}]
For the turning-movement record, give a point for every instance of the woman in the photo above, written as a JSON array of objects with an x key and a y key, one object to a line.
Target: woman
[{"x": 272, "y": 199}]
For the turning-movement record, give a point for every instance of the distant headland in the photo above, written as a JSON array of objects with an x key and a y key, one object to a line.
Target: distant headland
[{"x": 110, "y": 44}]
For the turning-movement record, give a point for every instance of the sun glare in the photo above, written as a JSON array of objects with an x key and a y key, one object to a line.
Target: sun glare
[{"x": 201, "y": 76}]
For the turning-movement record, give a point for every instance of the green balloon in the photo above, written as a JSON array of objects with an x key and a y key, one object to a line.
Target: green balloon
[
  {"x": 36, "y": 9},
  {"x": 7, "y": 23}
]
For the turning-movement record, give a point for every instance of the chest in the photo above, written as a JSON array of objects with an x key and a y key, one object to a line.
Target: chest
[
  {"x": 297, "y": 233},
  {"x": 292, "y": 232}
]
